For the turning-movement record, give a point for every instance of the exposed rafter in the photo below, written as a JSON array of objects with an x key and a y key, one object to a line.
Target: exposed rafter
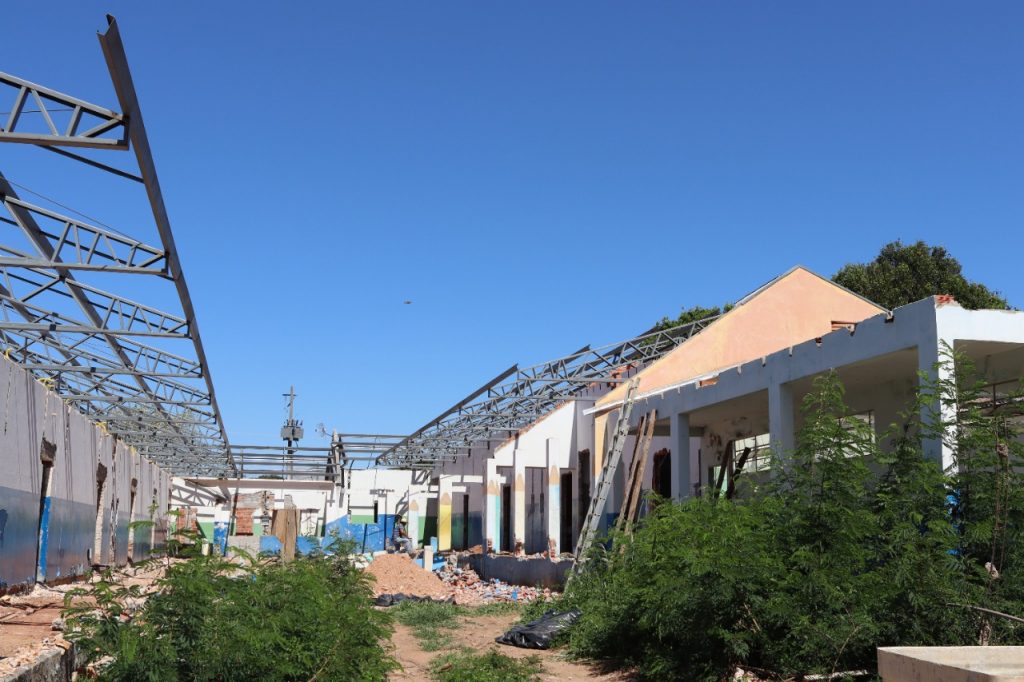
[
  {"x": 138, "y": 369},
  {"x": 518, "y": 397}
]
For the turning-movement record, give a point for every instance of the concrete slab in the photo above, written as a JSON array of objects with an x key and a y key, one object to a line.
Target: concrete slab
[{"x": 951, "y": 664}]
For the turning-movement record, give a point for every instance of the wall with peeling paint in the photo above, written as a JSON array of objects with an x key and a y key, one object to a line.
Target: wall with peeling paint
[{"x": 51, "y": 535}]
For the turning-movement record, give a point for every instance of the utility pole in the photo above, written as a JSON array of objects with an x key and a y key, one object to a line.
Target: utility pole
[{"x": 291, "y": 432}]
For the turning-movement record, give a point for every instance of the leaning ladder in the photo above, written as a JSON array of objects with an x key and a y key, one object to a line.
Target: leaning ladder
[{"x": 604, "y": 483}]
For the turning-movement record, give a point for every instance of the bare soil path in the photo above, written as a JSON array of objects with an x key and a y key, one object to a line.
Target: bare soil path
[{"x": 478, "y": 633}]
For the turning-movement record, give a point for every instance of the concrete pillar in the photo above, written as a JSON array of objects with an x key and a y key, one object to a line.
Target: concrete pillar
[
  {"x": 933, "y": 414},
  {"x": 519, "y": 503},
  {"x": 554, "y": 501},
  {"x": 780, "y": 419},
  {"x": 444, "y": 514},
  {"x": 413, "y": 526},
  {"x": 492, "y": 507},
  {"x": 679, "y": 432},
  {"x": 221, "y": 521}
]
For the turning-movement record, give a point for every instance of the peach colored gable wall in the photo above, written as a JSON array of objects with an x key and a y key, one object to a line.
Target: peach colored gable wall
[{"x": 798, "y": 307}]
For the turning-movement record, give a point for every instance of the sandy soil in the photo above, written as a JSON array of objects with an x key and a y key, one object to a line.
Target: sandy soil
[
  {"x": 26, "y": 621},
  {"x": 478, "y": 633},
  {"x": 398, "y": 574}
]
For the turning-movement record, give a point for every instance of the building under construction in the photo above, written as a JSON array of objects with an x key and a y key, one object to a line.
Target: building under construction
[{"x": 111, "y": 415}]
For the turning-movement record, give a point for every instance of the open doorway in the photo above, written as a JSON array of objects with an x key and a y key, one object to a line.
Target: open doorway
[
  {"x": 47, "y": 454},
  {"x": 506, "y": 519},
  {"x": 465, "y": 521},
  {"x": 101, "y": 503},
  {"x": 131, "y": 521},
  {"x": 536, "y": 511},
  {"x": 661, "y": 481},
  {"x": 565, "y": 507},
  {"x": 584, "y": 471}
]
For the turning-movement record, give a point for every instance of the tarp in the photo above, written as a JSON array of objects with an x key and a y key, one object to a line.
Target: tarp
[
  {"x": 539, "y": 634},
  {"x": 393, "y": 599}
]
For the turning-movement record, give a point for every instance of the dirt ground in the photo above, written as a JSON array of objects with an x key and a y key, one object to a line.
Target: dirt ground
[
  {"x": 27, "y": 620},
  {"x": 478, "y": 633}
]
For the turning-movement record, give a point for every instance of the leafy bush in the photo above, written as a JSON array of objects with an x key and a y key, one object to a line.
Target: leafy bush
[
  {"x": 215, "y": 619},
  {"x": 854, "y": 543}
]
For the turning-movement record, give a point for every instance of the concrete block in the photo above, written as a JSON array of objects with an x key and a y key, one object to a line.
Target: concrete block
[
  {"x": 54, "y": 665},
  {"x": 428, "y": 558},
  {"x": 951, "y": 663}
]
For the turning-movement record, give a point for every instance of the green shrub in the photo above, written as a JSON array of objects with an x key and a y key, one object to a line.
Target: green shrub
[
  {"x": 214, "y": 619},
  {"x": 854, "y": 543}
]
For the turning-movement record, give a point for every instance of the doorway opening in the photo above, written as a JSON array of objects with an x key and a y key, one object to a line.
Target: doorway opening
[
  {"x": 536, "y": 511},
  {"x": 661, "y": 481},
  {"x": 101, "y": 503},
  {"x": 131, "y": 521},
  {"x": 506, "y": 519},
  {"x": 465, "y": 521},
  {"x": 565, "y": 521},
  {"x": 583, "y": 467},
  {"x": 47, "y": 455}
]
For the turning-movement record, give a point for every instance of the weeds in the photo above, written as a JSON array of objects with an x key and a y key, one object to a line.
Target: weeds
[
  {"x": 216, "y": 619},
  {"x": 500, "y": 608},
  {"x": 856, "y": 541},
  {"x": 430, "y": 622},
  {"x": 492, "y": 666}
]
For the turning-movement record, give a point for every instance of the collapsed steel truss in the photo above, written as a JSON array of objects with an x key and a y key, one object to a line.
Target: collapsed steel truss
[
  {"x": 518, "y": 397},
  {"x": 136, "y": 368}
]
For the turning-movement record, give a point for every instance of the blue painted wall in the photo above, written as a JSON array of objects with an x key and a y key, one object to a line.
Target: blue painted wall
[
  {"x": 19, "y": 522},
  {"x": 369, "y": 537},
  {"x": 69, "y": 537}
]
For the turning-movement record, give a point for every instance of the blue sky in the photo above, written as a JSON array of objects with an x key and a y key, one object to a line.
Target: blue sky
[{"x": 534, "y": 177}]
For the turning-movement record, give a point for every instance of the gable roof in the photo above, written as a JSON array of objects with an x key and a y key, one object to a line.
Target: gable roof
[{"x": 794, "y": 307}]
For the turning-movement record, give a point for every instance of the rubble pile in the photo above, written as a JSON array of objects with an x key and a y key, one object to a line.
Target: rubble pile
[
  {"x": 398, "y": 574},
  {"x": 472, "y": 590}
]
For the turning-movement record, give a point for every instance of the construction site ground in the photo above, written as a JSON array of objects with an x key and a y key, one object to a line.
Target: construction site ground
[
  {"x": 30, "y": 623},
  {"x": 477, "y": 633}
]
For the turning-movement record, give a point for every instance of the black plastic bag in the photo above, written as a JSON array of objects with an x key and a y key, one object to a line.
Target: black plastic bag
[
  {"x": 393, "y": 599},
  {"x": 539, "y": 634}
]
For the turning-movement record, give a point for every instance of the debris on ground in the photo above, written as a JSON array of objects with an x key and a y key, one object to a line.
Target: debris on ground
[
  {"x": 538, "y": 634},
  {"x": 31, "y": 622},
  {"x": 394, "y": 599},
  {"x": 472, "y": 590},
  {"x": 397, "y": 573}
]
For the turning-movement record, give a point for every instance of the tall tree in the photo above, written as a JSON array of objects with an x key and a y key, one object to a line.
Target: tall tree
[{"x": 904, "y": 273}]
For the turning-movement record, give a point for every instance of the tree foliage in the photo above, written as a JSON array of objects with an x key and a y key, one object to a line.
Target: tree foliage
[
  {"x": 856, "y": 541},
  {"x": 904, "y": 273},
  {"x": 688, "y": 315}
]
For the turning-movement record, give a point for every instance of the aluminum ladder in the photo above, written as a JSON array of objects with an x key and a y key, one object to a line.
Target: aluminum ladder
[{"x": 604, "y": 483}]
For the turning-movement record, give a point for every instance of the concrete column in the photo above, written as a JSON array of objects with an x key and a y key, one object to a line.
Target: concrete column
[
  {"x": 519, "y": 503},
  {"x": 444, "y": 514},
  {"x": 492, "y": 507},
  {"x": 413, "y": 526},
  {"x": 933, "y": 414},
  {"x": 780, "y": 419},
  {"x": 221, "y": 521},
  {"x": 679, "y": 432},
  {"x": 554, "y": 501}
]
